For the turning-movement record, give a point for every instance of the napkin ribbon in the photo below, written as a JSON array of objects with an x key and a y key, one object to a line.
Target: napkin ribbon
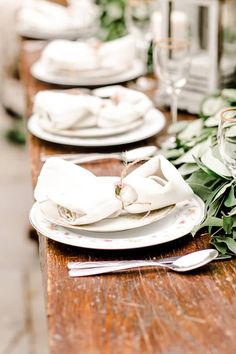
[{"x": 121, "y": 187}]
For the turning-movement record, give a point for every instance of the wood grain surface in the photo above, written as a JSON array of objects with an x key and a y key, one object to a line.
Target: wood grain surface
[{"x": 138, "y": 312}]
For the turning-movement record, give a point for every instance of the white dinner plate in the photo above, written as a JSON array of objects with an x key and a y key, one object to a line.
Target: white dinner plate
[
  {"x": 119, "y": 223},
  {"x": 180, "y": 222},
  {"x": 40, "y": 72},
  {"x": 153, "y": 123},
  {"x": 95, "y": 132}
]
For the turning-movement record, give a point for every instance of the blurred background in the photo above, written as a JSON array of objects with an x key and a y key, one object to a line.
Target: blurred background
[{"x": 211, "y": 27}]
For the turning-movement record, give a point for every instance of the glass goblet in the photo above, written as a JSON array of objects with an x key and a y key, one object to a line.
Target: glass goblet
[
  {"x": 227, "y": 139},
  {"x": 172, "y": 64},
  {"x": 138, "y": 15}
]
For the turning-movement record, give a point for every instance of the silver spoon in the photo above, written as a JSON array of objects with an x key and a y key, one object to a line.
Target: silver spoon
[
  {"x": 185, "y": 263},
  {"x": 130, "y": 155}
]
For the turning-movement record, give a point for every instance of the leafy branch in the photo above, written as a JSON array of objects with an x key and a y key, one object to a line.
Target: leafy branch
[{"x": 197, "y": 156}]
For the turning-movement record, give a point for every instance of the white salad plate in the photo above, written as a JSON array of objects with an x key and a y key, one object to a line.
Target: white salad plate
[
  {"x": 122, "y": 222},
  {"x": 40, "y": 72},
  {"x": 153, "y": 123},
  {"x": 184, "y": 217}
]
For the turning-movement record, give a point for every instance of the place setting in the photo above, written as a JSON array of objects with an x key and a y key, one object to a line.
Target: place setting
[
  {"x": 107, "y": 116},
  {"x": 148, "y": 204},
  {"x": 95, "y": 60},
  {"x": 89, "y": 63}
]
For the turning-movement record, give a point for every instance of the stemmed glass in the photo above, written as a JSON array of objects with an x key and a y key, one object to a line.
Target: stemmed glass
[
  {"x": 172, "y": 64},
  {"x": 138, "y": 15},
  {"x": 227, "y": 139}
]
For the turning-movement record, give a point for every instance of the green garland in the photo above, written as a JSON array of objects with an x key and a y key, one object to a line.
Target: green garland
[
  {"x": 198, "y": 159},
  {"x": 112, "y": 19}
]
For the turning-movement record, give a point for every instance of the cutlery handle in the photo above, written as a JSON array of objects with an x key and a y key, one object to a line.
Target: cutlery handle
[
  {"x": 103, "y": 264},
  {"x": 115, "y": 268}
]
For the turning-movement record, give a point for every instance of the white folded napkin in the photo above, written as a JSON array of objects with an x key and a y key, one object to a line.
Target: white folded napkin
[
  {"x": 61, "y": 110},
  {"x": 125, "y": 106},
  {"x": 79, "y": 197},
  {"x": 88, "y": 57},
  {"x": 47, "y": 17}
]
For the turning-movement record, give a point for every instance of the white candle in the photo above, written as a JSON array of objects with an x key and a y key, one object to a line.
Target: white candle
[{"x": 179, "y": 25}]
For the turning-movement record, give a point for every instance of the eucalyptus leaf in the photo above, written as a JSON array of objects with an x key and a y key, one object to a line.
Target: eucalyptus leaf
[
  {"x": 192, "y": 129},
  {"x": 199, "y": 189},
  {"x": 220, "y": 246},
  {"x": 229, "y": 242},
  {"x": 188, "y": 168},
  {"x": 212, "y": 121},
  {"x": 213, "y": 208},
  {"x": 233, "y": 211},
  {"x": 222, "y": 190},
  {"x": 172, "y": 154},
  {"x": 209, "y": 222},
  {"x": 201, "y": 177},
  {"x": 214, "y": 164},
  {"x": 212, "y": 104},
  {"x": 230, "y": 201},
  {"x": 227, "y": 224},
  {"x": 196, "y": 151},
  {"x": 177, "y": 127},
  {"x": 229, "y": 94},
  {"x": 204, "y": 167}
]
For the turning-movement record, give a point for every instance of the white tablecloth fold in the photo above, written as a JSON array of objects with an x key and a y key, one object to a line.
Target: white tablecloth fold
[{"x": 82, "y": 198}]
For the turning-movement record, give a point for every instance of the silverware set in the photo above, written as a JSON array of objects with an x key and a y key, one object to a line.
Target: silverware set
[{"x": 184, "y": 263}]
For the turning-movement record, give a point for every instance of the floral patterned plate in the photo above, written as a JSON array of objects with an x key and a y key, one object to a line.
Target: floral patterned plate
[
  {"x": 180, "y": 222},
  {"x": 122, "y": 222}
]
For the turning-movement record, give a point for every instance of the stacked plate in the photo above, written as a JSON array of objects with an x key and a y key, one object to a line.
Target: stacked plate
[
  {"x": 104, "y": 126},
  {"x": 88, "y": 63},
  {"x": 148, "y": 206},
  {"x": 124, "y": 232}
]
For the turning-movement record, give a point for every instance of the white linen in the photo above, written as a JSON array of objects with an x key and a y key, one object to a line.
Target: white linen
[
  {"x": 61, "y": 110},
  {"x": 88, "y": 57},
  {"x": 126, "y": 106},
  {"x": 46, "y": 17},
  {"x": 82, "y": 198}
]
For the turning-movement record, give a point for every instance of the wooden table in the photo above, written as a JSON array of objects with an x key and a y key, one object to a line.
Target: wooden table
[{"x": 137, "y": 312}]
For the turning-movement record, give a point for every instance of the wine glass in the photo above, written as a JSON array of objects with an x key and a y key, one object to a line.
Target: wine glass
[
  {"x": 227, "y": 139},
  {"x": 138, "y": 14},
  {"x": 172, "y": 64}
]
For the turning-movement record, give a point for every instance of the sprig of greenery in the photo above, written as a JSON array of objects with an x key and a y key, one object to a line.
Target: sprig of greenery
[
  {"x": 16, "y": 134},
  {"x": 197, "y": 156},
  {"x": 112, "y": 19}
]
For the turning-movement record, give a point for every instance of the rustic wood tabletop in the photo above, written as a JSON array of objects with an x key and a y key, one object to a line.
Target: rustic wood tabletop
[{"x": 151, "y": 311}]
